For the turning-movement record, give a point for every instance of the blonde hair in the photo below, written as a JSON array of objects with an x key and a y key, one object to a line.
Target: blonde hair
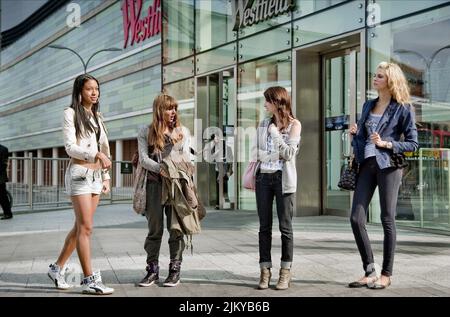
[{"x": 396, "y": 82}]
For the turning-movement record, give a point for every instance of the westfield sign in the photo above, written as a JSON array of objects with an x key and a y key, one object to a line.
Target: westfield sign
[
  {"x": 137, "y": 29},
  {"x": 249, "y": 12}
]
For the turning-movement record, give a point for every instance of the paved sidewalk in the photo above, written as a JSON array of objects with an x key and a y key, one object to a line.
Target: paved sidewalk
[{"x": 225, "y": 259}]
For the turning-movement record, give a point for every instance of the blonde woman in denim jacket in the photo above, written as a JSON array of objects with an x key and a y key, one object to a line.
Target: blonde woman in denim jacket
[{"x": 385, "y": 130}]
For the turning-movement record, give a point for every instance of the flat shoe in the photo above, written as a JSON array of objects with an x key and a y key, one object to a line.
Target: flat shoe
[
  {"x": 357, "y": 284},
  {"x": 379, "y": 285}
]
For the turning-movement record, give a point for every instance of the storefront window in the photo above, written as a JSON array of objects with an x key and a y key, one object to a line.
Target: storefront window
[
  {"x": 254, "y": 78},
  {"x": 183, "y": 92},
  {"x": 389, "y": 9},
  {"x": 217, "y": 58},
  {"x": 178, "y": 29},
  {"x": 213, "y": 24},
  {"x": 424, "y": 198},
  {"x": 265, "y": 43},
  {"x": 263, "y": 25},
  {"x": 329, "y": 23},
  {"x": 178, "y": 70},
  {"x": 305, "y": 7}
]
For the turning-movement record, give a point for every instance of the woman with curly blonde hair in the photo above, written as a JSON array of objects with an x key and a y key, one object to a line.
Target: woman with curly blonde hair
[{"x": 384, "y": 132}]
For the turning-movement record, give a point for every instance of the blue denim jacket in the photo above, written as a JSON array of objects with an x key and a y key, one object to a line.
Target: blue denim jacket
[{"x": 396, "y": 121}]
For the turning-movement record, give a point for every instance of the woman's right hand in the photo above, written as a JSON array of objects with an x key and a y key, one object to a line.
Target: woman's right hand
[
  {"x": 106, "y": 162},
  {"x": 353, "y": 129},
  {"x": 163, "y": 173}
]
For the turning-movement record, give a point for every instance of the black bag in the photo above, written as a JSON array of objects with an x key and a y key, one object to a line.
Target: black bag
[
  {"x": 398, "y": 160},
  {"x": 349, "y": 175}
]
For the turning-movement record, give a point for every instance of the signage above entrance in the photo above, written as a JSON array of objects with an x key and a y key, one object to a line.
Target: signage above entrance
[
  {"x": 249, "y": 12},
  {"x": 136, "y": 29}
]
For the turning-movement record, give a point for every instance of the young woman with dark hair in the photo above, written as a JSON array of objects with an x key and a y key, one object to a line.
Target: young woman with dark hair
[
  {"x": 278, "y": 139},
  {"x": 87, "y": 177}
]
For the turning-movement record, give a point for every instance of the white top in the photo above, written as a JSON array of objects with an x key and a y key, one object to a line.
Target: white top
[{"x": 84, "y": 148}]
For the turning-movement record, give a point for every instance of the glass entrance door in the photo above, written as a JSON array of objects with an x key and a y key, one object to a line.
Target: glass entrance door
[
  {"x": 340, "y": 93},
  {"x": 215, "y": 107}
]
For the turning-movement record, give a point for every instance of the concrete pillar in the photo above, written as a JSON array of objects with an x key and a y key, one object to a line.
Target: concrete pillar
[
  {"x": 25, "y": 167},
  {"x": 40, "y": 168},
  {"x": 14, "y": 168},
  {"x": 55, "y": 167},
  {"x": 119, "y": 157}
]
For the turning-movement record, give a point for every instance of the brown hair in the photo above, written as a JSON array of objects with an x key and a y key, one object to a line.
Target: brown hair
[
  {"x": 162, "y": 103},
  {"x": 279, "y": 97}
]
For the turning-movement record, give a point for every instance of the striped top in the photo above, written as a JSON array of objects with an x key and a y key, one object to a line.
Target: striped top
[{"x": 274, "y": 165}]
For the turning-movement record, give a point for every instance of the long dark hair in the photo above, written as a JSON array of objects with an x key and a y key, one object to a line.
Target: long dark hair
[
  {"x": 82, "y": 121},
  {"x": 279, "y": 97}
]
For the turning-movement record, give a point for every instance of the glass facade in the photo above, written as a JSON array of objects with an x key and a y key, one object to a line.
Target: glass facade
[
  {"x": 213, "y": 24},
  {"x": 425, "y": 191},
  {"x": 219, "y": 75},
  {"x": 254, "y": 78},
  {"x": 36, "y": 80},
  {"x": 178, "y": 29}
]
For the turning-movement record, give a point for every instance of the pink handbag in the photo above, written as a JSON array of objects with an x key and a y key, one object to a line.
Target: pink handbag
[{"x": 248, "y": 179}]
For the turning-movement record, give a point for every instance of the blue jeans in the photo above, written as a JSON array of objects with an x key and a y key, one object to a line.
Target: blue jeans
[{"x": 268, "y": 187}]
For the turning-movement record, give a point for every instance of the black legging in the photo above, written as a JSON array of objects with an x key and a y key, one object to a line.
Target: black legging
[{"x": 388, "y": 181}]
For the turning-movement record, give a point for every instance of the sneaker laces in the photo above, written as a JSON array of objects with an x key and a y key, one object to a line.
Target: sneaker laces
[{"x": 175, "y": 266}]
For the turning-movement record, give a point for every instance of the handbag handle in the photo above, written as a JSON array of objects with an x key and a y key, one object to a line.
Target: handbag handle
[{"x": 344, "y": 138}]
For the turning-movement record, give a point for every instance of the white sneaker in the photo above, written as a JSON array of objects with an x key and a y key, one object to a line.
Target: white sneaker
[
  {"x": 56, "y": 274},
  {"x": 93, "y": 285}
]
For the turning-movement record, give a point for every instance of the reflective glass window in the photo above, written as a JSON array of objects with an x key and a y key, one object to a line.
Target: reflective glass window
[
  {"x": 178, "y": 29},
  {"x": 213, "y": 24},
  {"x": 424, "y": 197},
  {"x": 254, "y": 78}
]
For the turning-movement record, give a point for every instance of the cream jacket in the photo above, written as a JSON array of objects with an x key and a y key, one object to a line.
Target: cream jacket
[{"x": 84, "y": 148}]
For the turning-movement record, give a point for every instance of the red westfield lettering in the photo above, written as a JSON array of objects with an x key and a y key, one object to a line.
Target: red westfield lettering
[{"x": 135, "y": 29}]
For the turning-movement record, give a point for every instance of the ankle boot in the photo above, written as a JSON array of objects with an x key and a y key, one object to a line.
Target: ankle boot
[
  {"x": 264, "y": 278},
  {"x": 284, "y": 281},
  {"x": 152, "y": 275},
  {"x": 174, "y": 273}
]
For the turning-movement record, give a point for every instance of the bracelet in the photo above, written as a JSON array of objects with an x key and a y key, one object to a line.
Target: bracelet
[{"x": 389, "y": 145}]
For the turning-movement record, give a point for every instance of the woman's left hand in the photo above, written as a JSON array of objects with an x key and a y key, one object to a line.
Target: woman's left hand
[
  {"x": 106, "y": 187},
  {"x": 376, "y": 139}
]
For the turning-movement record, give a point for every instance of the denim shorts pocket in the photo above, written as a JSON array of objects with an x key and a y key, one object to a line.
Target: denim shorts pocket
[{"x": 78, "y": 174}]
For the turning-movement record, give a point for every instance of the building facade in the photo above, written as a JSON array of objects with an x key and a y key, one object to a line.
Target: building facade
[{"x": 217, "y": 57}]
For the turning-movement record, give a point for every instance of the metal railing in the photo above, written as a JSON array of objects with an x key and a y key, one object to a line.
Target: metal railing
[{"x": 38, "y": 183}]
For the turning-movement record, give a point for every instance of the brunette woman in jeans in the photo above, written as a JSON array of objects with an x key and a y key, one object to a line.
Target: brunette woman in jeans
[
  {"x": 278, "y": 138},
  {"x": 377, "y": 142}
]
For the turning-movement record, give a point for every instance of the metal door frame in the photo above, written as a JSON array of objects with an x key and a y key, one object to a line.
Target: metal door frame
[
  {"x": 362, "y": 81},
  {"x": 219, "y": 72},
  {"x": 351, "y": 52}
]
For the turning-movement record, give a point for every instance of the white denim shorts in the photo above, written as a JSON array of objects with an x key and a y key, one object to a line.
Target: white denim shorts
[{"x": 81, "y": 180}]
